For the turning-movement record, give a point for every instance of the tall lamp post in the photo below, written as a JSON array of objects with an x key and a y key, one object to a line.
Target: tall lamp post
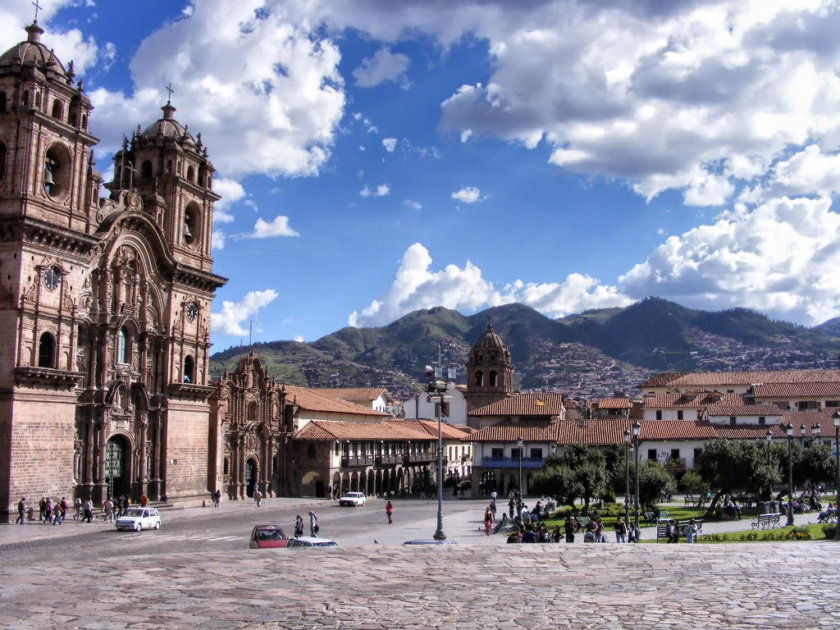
[
  {"x": 637, "y": 429},
  {"x": 836, "y": 417},
  {"x": 789, "y": 431},
  {"x": 769, "y": 437},
  {"x": 437, "y": 387},
  {"x": 626, "y": 476},
  {"x": 520, "y": 443}
]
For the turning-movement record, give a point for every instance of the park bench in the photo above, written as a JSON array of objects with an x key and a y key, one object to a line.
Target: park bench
[{"x": 766, "y": 521}]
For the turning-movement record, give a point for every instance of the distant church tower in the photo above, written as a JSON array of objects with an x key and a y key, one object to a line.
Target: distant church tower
[
  {"x": 489, "y": 371},
  {"x": 104, "y": 303}
]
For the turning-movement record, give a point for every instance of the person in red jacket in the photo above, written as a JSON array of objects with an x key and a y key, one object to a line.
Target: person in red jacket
[{"x": 389, "y": 510}]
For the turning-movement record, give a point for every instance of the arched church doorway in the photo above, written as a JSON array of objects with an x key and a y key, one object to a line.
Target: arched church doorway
[
  {"x": 116, "y": 467},
  {"x": 250, "y": 477}
]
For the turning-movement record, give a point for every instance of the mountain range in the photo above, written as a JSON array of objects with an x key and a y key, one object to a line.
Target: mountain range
[{"x": 594, "y": 353}]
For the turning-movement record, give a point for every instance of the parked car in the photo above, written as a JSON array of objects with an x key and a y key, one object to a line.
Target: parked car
[
  {"x": 352, "y": 499},
  {"x": 266, "y": 536},
  {"x": 137, "y": 518},
  {"x": 311, "y": 541}
]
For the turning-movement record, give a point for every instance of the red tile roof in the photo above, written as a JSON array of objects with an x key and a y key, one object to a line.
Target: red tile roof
[
  {"x": 543, "y": 404},
  {"x": 661, "y": 380},
  {"x": 317, "y": 400},
  {"x": 743, "y": 410},
  {"x": 712, "y": 379},
  {"x": 677, "y": 430},
  {"x": 326, "y": 430},
  {"x": 352, "y": 394},
  {"x": 690, "y": 400},
  {"x": 803, "y": 390},
  {"x": 613, "y": 403},
  {"x": 429, "y": 427}
]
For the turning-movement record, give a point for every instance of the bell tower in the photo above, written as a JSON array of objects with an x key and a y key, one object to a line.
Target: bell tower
[{"x": 489, "y": 371}]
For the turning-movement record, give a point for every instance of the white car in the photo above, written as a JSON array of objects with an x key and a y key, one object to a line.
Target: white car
[
  {"x": 310, "y": 541},
  {"x": 137, "y": 518},
  {"x": 352, "y": 499}
]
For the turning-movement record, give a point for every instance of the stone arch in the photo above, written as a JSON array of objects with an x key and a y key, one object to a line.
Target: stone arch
[
  {"x": 57, "y": 170},
  {"x": 118, "y": 464},
  {"x": 192, "y": 223},
  {"x": 46, "y": 350},
  {"x": 58, "y": 109}
]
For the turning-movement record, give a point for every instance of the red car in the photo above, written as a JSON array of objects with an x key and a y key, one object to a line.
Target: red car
[{"x": 268, "y": 536}]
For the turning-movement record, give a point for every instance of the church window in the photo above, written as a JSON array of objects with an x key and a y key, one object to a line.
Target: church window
[
  {"x": 2, "y": 161},
  {"x": 122, "y": 346},
  {"x": 252, "y": 411},
  {"x": 190, "y": 173},
  {"x": 84, "y": 121},
  {"x": 46, "y": 351},
  {"x": 146, "y": 169},
  {"x": 168, "y": 166},
  {"x": 226, "y": 467},
  {"x": 56, "y": 175},
  {"x": 26, "y": 98},
  {"x": 479, "y": 378},
  {"x": 58, "y": 109},
  {"x": 37, "y": 100},
  {"x": 189, "y": 369},
  {"x": 310, "y": 451},
  {"x": 2, "y": 102},
  {"x": 493, "y": 376}
]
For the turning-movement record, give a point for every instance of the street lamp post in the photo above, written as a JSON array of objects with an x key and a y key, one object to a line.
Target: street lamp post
[
  {"x": 438, "y": 386},
  {"x": 836, "y": 417},
  {"x": 789, "y": 431},
  {"x": 637, "y": 429},
  {"x": 520, "y": 443},
  {"x": 769, "y": 437},
  {"x": 627, "y": 476}
]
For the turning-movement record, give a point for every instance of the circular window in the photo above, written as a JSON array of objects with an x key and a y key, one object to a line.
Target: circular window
[{"x": 52, "y": 278}]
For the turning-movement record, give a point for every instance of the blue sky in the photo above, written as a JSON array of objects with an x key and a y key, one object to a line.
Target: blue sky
[{"x": 376, "y": 157}]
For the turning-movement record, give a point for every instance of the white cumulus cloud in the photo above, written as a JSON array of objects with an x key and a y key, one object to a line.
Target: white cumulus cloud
[
  {"x": 390, "y": 144},
  {"x": 468, "y": 194},
  {"x": 381, "y": 190},
  {"x": 229, "y": 320},
  {"x": 278, "y": 226},
  {"x": 381, "y": 67}
]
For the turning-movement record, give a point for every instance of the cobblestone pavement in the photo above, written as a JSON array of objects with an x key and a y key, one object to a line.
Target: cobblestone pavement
[{"x": 478, "y": 583}]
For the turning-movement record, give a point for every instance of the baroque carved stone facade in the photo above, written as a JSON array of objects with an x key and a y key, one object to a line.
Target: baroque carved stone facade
[
  {"x": 104, "y": 303},
  {"x": 249, "y": 436}
]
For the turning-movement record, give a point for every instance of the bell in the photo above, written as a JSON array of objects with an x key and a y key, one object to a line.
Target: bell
[
  {"x": 187, "y": 233},
  {"x": 48, "y": 177}
]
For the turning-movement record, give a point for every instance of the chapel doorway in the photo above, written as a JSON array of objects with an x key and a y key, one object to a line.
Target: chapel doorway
[
  {"x": 116, "y": 467},
  {"x": 250, "y": 477}
]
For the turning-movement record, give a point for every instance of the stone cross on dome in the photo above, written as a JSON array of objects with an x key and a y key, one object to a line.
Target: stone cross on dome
[
  {"x": 171, "y": 91},
  {"x": 38, "y": 7}
]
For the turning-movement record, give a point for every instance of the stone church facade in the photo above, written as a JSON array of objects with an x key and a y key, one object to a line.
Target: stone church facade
[
  {"x": 104, "y": 303},
  {"x": 489, "y": 372}
]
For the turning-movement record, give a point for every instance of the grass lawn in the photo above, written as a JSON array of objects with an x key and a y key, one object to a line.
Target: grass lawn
[{"x": 798, "y": 533}]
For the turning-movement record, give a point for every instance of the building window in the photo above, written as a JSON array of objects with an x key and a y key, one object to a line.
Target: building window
[
  {"x": 493, "y": 379},
  {"x": 46, "y": 351},
  {"x": 675, "y": 453},
  {"x": 732, "y": 420},
  {"x": 189, "y": 369},
  {"x": 146, "y": 169},
  {"x": 310, "y": 451},
  {"x": 679, "y": 414},
  {"x": 2, "y": 102},
  {"x": 760, "y": 419},
  {"x": 659, "y": 414},
  {"x": 442, "y": 410},
  {"x": 652, "y": 454},
  {"x": 497, "y": 453},
  {"x": 516, "y": 453},
  {"x": 122, "y": 346},
  {"x": 536, "y": 453},
  {"x": 2, "y": 161},
  {"x": 57, "y": 109},
  {"x": 479, "y": 378},
  {"x": 252, "y": 411}
]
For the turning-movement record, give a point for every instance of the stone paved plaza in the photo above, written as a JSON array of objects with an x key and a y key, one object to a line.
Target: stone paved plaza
[{"x": 774, "y": 585}]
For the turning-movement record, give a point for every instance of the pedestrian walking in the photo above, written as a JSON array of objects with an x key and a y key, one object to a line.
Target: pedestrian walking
[
  {"x": 488, "y": 521},
  {"x": 313, "y": 525},
  {"x": 48, "y": 507},
  {"x": 87, "y": 508},
  {"x": 389, "y": 510},
  {"x": 21, "y": 510},
  {"x": 298, "y": 526},
  {"x": 257, "y": 496},
  {"x": 77, "y": 504},
  {"x": 620, "y": 530},
  {"x": 493, "y": 507},
  {"x": 217, "y": 498},
  {"x": 144, "y": 500},
  {"x": 108, "y": 506},
  {"x": 511, "y": 505},
  {"x": 42, "y": 507}
]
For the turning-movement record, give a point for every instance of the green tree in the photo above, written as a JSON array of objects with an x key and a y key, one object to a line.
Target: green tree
[
  {"x": 692, "y": 483},
  {"x": 579, "y": 473},
  {"x": 735, "y": 465},
  {"x": 654, "y": 481}
]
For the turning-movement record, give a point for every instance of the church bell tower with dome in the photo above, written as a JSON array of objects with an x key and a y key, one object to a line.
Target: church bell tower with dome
[
  {"x": 489, "y": 371},
  {"x": 104, "y": 302}
]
